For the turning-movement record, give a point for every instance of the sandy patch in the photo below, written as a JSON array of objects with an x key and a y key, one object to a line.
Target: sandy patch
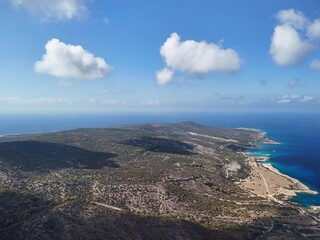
[{"x": 267, "y": 182}]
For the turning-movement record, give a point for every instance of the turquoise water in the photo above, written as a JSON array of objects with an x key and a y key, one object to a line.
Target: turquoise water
[
  {"x": 298, "y": 155},
  {"x": 303, "y": 174}
]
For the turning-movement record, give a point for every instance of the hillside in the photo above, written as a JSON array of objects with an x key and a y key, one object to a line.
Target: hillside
[{"x": 152, "y": 181}]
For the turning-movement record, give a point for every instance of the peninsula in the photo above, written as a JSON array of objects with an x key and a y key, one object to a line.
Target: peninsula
[{"x": 150, "y": 181}]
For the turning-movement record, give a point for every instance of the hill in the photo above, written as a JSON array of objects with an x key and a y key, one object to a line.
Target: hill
[{"x": 151, "y": 181}]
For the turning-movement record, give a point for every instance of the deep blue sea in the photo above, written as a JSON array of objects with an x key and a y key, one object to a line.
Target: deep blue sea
[{"x": 298, "y": 155}]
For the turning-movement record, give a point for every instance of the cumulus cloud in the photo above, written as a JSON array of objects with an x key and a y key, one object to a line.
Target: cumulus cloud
[
  {"x": 293, "y": 83},
  {"x": 292, "y": 17},
  {"x": 314, "y": 30},
  {"x": 287, "y": 48},
  {"x": 69, "y": 61},
  {"x": 196, "y": 58},
  {"x": 315, "y": 65},
  {"x": 164, "y": 76},
  {"x": 293, "y": 38},
  {"x": 294, "y": 98},
  {"x": 53, "y": 10}
]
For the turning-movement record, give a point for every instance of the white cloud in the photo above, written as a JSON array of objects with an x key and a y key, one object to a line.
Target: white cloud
[
  {"x": 294, "y": 83},
  {"x": 306, "y": 99},
  {"x": 164, "y": 76},
  {"x": 314, "y": 30},
  {"x": 196, "y": 57},
  {"x": 283, "y": 101},
  {"x": 69, "y": 61},
  {"x": 287, "y": 48},
  {"x": 293, "y": 18},
  {"x": 53, "y": 10},
  {"x": 294, "y": 37},
  {"x": 315, "y": 65},
  {"x": 294, "y": 98}
]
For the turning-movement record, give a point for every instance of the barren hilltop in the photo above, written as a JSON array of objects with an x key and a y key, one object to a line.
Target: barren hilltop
[{"x": 152, "y": 181}]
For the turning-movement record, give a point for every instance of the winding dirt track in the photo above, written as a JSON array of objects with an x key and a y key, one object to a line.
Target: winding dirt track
[{"x": 270, "y": 196}]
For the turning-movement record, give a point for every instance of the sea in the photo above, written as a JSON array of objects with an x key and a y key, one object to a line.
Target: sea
[{"x": 298, "y": 155}]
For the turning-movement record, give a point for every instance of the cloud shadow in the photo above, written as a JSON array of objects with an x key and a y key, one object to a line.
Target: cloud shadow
[
  {"x": 161, "y": 145},
  {"x": 42, "y": 156}
]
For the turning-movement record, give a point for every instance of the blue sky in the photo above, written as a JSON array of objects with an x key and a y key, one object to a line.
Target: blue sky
[{"x": 158, "y": 56}]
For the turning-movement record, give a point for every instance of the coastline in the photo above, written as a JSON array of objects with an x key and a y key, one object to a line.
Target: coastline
[
  {"x": 26, "y": 133},
  {"x": 261, "y": 135},
  {"x": 268, "y": 182},
  {"x": 266, "y": 140},
  {"x": 301, "y": 187}
]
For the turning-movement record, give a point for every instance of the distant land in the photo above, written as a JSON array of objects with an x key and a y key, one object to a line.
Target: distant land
[{"x": 147, "y": 181}]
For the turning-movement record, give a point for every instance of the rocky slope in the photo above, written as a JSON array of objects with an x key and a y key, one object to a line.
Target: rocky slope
[{"x": 153, "y": 181}]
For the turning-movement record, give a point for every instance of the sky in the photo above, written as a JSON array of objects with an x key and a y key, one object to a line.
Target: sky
[{"x": 159, "y": 56}]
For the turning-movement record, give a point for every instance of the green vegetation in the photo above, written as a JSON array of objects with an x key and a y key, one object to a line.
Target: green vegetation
[
  {"x": 15, "y": 207},
  {"x": 131, "y": 182}
]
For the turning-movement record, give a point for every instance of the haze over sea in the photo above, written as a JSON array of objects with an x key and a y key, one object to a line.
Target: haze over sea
[{"x": 298, "y": 155}]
